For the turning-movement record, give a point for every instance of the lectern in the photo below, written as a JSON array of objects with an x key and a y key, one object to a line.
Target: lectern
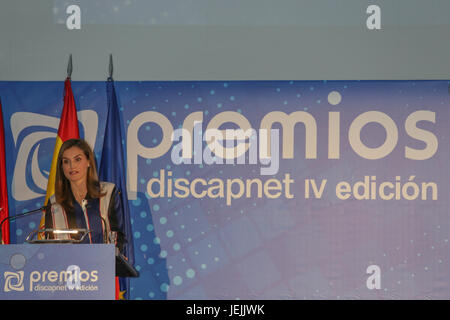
[
  {"x": 57, "y": 271},
  {"x": 60, "y": 267}
]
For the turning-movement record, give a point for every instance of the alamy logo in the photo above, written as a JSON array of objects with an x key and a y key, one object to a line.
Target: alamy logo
[
  {"x": 13, "y": 281},
  {"x": 28, "y": 148}
]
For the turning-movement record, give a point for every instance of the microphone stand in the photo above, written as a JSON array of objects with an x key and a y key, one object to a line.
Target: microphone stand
[
  {"x": 21, "y": 215},
  {"x": 85, "y": 205}
]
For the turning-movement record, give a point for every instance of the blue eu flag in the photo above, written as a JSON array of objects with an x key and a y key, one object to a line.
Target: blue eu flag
[{"x": 112, "y": 169}]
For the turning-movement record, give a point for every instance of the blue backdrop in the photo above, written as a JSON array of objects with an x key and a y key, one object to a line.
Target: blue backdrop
[{"x": 366, "y": 185}]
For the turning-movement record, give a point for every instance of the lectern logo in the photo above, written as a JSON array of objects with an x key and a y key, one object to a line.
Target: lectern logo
[{"x": 13, "y": 281}]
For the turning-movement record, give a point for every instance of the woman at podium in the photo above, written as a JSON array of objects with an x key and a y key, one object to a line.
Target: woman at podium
[{"x": 81, "y": 201}]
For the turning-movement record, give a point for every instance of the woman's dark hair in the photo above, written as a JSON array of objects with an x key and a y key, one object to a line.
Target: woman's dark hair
[{"x": 63, "y": 192}]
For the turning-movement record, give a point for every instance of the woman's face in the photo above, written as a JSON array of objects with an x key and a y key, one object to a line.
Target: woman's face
[{"x": 75, "y": 164}]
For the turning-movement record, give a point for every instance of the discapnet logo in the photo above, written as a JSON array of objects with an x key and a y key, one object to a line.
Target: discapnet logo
[
  {"x": 73, "y": 278},
  {"x": 13, "y": 281}
]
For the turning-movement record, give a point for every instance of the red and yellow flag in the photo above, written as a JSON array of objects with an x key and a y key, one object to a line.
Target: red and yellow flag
[
  {"x": 68, "y": 129},
  {"x": 3, "y": 185}
]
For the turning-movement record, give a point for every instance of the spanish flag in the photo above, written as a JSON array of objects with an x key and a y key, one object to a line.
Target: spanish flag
[
  {"x": 3, "y": 184},
  {"x": 68, "y": 129}
]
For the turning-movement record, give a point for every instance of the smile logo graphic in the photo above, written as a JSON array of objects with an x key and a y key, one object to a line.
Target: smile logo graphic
[{"x": 29, "y": 131}]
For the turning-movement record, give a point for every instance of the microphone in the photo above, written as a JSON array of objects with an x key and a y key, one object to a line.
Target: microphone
[
  {"x": 21, "y": 215},
  {"x": 85, "y": 205},
  {"x": 109, "y": 236},
  {"x": 105, "y": 228}
]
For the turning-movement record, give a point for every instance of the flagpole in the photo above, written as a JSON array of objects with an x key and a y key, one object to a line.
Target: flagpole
[
  {"x": 69, "y": 67},
  {"x": 111, "y": 67}
]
